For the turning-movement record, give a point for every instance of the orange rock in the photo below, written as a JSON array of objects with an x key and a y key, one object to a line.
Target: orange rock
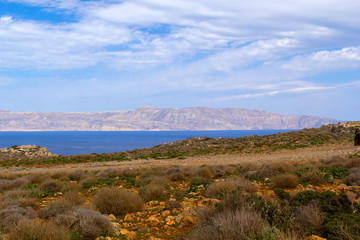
[
  {"x": 189, "y": 220},
  {"x": 128, "y": 218},
  {"x": 314, "y": 237}
]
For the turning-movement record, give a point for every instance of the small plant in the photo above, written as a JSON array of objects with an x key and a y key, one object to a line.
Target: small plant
[
  {"x": 153, "y": 192},
  {"x": 33, "y": 229},
  {"x": 112, "y": 200},
  {"x": 281, "y": 194},
  {"x": 285, "y": 181}
]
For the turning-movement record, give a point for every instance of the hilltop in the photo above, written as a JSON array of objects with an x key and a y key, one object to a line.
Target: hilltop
[{"x": 157, "y": 119}]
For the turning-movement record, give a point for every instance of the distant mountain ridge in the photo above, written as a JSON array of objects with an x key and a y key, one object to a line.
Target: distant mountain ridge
[{"x": 149, "y": 118}]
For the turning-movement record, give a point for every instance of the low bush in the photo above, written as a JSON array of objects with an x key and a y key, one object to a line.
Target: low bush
[
  {"x": 342, "y": 227},
  {"x": 312, "y": 178},
  {"x": 281, "y": 194},
  {"x": 284, "y": 181},
  {"x": 50, "y": 187},
  {"x": 113, "y": 200},
  {"x": 197, "y": 181},
  {"x": 353, "y": 178},
  {"x": 175, "y": 174},
  {"x": 20, "y": 197},
  {"x": 85, "y": 224},
  {"x": 222, "y": 188},
  {"x": 309, "y": 219},
  {"x": 11, "y": 215},
  {"x": 241, "y": 225},
  {"x": 153, "y": 192},
  {"x": 37, "y": 230},
  {"x": 203, "y": 172}
]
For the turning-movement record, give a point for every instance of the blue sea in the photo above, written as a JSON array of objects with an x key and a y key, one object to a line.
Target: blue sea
[{"x": 70, "y": 143}]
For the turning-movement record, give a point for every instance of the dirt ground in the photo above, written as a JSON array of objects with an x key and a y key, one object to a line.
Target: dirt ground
[{"x": 297, "y": 155}]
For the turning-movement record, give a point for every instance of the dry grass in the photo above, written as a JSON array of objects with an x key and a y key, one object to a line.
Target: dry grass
[
  {"x": 175, "y": 174},
  {"x": 37, "y": 230},
  {"x": 284, "y": 181},
  {"x": 203, "y": 172},
  {"x": 11, "y": 215},
  {"x": 86, "y": 224},
  {"x": 308, "y": 218},
  {"x": 239, "y": 225},
  {"x": 353, "y": 178},
  {"x": 6, "y": 184},
  {"x": 312, "y": 178},
  {"x": 19, "y": 197},
  {"x": 117, "y": 201},
  {"x": 153, "y": 191},
  {"x": 222, "y": 188}
]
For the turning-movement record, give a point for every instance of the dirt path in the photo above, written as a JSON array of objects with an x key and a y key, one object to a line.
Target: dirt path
[{"x": 298, "y": 155}]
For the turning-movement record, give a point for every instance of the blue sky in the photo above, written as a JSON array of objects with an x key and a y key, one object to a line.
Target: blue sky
[{"x": 291, "y": 57}]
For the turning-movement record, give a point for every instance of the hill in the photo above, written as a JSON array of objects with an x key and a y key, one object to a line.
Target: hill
[{"x": 157, "y": 119}]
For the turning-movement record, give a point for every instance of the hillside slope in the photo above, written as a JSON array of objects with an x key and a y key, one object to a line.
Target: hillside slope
[{"x": 157, "y": 119}]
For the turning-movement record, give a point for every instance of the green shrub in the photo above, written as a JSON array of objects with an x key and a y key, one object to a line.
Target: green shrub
[
  {"x": 281, "y": 194},
  {"x": 342, "y": 227}
]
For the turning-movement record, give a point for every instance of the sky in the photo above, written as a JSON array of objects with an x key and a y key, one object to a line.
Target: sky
[{"x": 290, "y": 57}]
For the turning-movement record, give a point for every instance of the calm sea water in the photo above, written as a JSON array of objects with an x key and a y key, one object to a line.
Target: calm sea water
[{"x": 69, "y": 143}]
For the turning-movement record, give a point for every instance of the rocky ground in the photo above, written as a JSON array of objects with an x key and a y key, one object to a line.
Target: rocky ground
[{"x": 302, "y": 193}]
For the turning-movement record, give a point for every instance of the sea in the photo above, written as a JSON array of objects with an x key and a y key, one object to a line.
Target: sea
[{"x": 82, "y": 142}]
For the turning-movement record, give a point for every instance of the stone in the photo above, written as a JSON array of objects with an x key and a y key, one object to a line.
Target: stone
[
  {"x": 166, "y": 213},
  {"x": 124, "y": 232},
  {"x": 170, "y": 220},
  {"x": 189, "y": 220},
  {"x": 128, "y": 218},
  {"x": 153, "y": 221},
  {"x": 112, "y": 217},
  {"x": 209, "y": 202},
  {"x": 131, "y": 236},
  {"x": 314, "y": 237}
]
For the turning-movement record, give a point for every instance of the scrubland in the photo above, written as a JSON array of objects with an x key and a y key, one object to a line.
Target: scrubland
[{"x": 307, "y": 199}]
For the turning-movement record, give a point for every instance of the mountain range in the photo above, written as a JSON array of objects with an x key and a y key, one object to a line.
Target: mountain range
[{"x": 149, "y": 118}]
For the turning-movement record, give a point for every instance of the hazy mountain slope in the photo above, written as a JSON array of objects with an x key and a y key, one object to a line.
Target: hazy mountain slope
[{"x": 150, "y": 118}]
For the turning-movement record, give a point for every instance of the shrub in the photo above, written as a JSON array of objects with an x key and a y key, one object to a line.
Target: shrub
[
  {"x": 10, "y": 216},
  {"x": 312, "y": 178},
  {"x": 86, "y": 224},
  {"x": 117, "y": 201},
  {"x": 308, "y": 218},
  {"x": 197, "y": 181},
  {"x": 305, "y": 197},
  {"x": 285, "y": 181},
  {"x": 281, "y": 194},
  {"x": 277, "y": 213},
  {"x": 342, "y": 227},
  {"x": 76, "y": 175},
  {"x": 50, "y": 187},
  {"x": 38, "y": 178},
  {"x": 19, "y": 197},
  {"x": 153, "y": 192},
  {"x": 203, "y": 172},
  {"x": 353, "y": 178},
  {"x": 220, "y": 189},
  {"x": 6, "y": 184},
  {"x": 175, "y": 174},
  {"x": 241, "y": 225},
  {"x": 170, "y": 205},
  {"x": 30, "y": 230}
]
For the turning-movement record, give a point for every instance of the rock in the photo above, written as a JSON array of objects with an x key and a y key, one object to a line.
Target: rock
[
  {"x": 314, "y": 237},
  {"x": 124, "y": 232},
  {"x": 128, "y": 218},
  {"x": 153, "y": 221},
  {"x": 112, "y": 217},
  {"x": 189, "y": 220},
  {"x": 131, "y": 236},
  {"x": 170, "y": 220},
  {"x": 208, "y": 202},
  {"x": 166, "y": 213}
]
